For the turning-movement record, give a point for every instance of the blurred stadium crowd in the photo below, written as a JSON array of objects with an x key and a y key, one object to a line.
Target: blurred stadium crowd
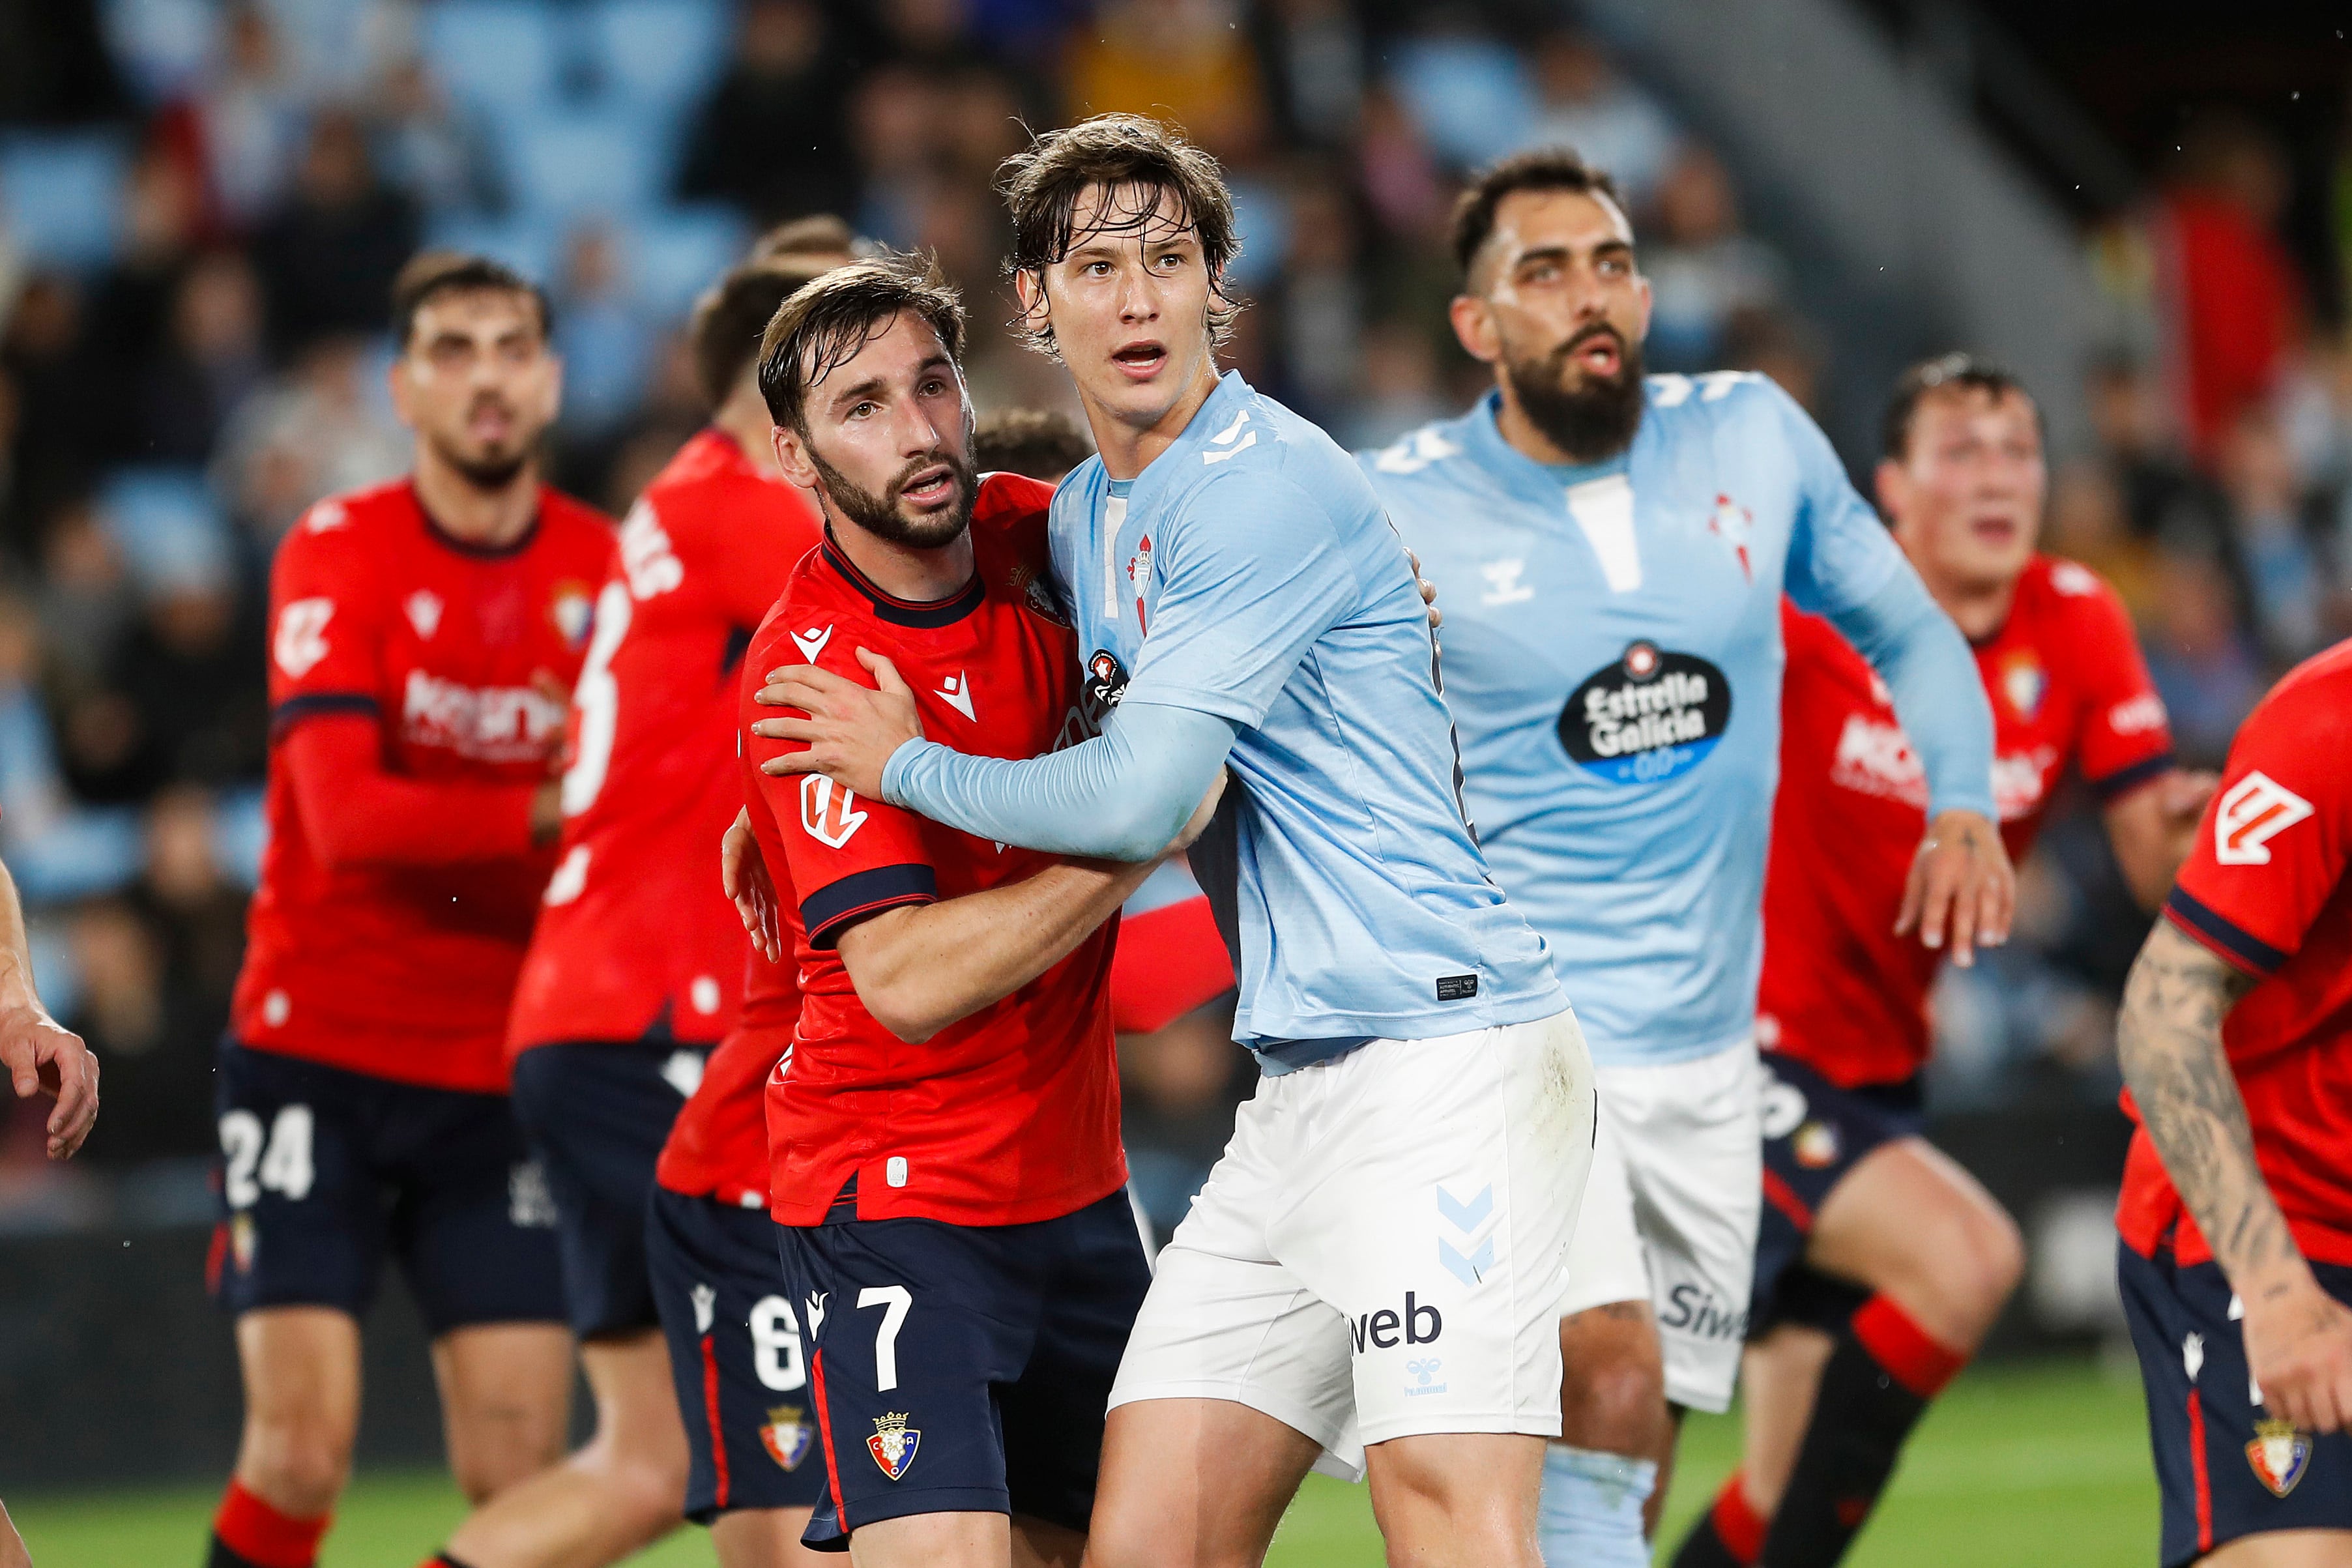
[{"x": 202, "y": 202}]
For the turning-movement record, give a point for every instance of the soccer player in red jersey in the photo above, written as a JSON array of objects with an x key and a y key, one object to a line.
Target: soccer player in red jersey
[
  {"x": 945, "y": 1163},
  {"x": 1879, "y": 1262},
  {"x": 2236, "y": 1217},
  {"x": 635, "y": 968},
  {"x": 423, "y": 636}
]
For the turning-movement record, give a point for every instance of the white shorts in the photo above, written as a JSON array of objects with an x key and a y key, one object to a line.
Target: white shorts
[
  {"x": 1380, "y": 1251},
  {"x": 1671, "y": 1210}
]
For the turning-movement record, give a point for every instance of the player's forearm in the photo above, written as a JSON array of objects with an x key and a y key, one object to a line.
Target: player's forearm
[
  {"x": 2150, "y": 843},
  {"x": 1928, "y": 668},
  {"x": 355, "y": 814},
  {"x": 15, "y": 950},
  {"x": 1123, "y": 795},
  {"x": 2168, "y": 1040},
  {"x": 920, "y": 969}
]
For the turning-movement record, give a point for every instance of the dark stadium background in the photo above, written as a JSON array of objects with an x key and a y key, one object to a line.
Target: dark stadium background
[{"x": 202, "y": 202}]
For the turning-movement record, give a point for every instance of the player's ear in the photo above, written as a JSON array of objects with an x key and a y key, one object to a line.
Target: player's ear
[
  {"x": 1029, "y": 289},
  {"x": 1892, "y": 485},
  {"x": 793, "y": 457},
  {"x": 396, "y": 378},
  {"x": 1474, "y": 327}
]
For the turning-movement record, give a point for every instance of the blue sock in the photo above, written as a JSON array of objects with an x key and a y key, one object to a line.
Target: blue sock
[{"x": 1592, "y": 1515}]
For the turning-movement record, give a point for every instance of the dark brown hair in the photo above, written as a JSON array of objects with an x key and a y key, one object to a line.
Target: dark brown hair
[
  {"x": 1037, "y": 443},
  {"x": 819, "y": 233},
  {"x": 823, "y": 326},
  {"x": 1945, "y": 372},
  {"x": 432, "y": 273},
  {"x": 729, "y": 318},
  {"x": 1045, "y": 186},
  {"x": 1536, "y": 169}
]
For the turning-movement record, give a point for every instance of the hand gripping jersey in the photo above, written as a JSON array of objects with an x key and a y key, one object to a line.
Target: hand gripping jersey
[
  {"x": 636, "y": 937},
  {"x": 1843, "y": 993},
  {"x": 1012, "y": 1114},
  {"x": 2268, "y": 887},
  {"x": 1612, "y": 659},
  {"x": 1169, "y": 961},
  {"x": 1248, "y": 573},
  {"x": 396, "y": 898}
]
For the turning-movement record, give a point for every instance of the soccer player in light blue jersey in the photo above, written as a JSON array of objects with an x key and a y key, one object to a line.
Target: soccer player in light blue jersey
[
  {"x": 1374, "y": 1269},
  {"x": 1611, "y": 552}
]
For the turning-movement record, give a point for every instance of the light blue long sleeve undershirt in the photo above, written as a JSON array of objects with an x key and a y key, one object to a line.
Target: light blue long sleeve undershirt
[
  {"x": 1123, "y": 795},
  {"x": 1938, "y": 696}
]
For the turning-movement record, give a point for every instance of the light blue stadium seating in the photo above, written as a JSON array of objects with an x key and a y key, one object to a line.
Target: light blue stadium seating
[
  {"x": 1471, "y": 96},
  {"x": 607, "y": 159},
  {"x": 663, "y": 53},
  {"x": 674, "y": 253},
  {"x": 162, "y": 46},
  {"x": 167, "y": 524},
  {"x": 62, "y": 194},
  {"x": 527, "y": 244},
  {"x": 497, "y": 55}
]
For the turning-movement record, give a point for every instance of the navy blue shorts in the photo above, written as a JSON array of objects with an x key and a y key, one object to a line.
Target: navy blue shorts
[
  {"x": 323, "y": 1171},
  {"x": 1814, "y": 1133},
  {"x": 964, "y": 1369},
  {"x": 735, "y": 1351},
  {"x": 2223, "y": 1469},
  {"x": 597, "y": 1116}
]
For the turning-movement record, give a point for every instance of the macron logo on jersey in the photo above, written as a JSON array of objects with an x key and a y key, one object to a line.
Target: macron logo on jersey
[
  {"x": 301, "y": 640},
  {"x": 2252, "y": 811},
  {"x": 812, "y": 642},
  {"x": 829, "y": 811},
  {"x": 956, "y": 693}
]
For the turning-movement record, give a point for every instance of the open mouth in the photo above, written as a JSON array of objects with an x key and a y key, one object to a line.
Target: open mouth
[
  {"x": 1601, "y": 354},
  {"x": 932, "y": 487},
  {"x": 1995, "y": 530},
  {"x": 1141, "y": 359}
]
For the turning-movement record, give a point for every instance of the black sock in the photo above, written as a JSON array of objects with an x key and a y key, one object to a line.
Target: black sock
[
  {"x": 1875, "y": 1387},
  {"x": 221, "y": 1556}
]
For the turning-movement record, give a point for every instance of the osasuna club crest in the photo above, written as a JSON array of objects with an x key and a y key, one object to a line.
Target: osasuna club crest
[
  {"x": 894, "y": 1443},
  {"x": 2278, "y": 1455},
  {"x": 788, "y": 1435}
]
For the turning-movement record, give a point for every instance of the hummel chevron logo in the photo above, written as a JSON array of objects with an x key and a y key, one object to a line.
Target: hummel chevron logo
[
  {"x": 1226, "y": 438},
  {"x": 1466, "y": 1263},
  {"x": 956, "y": 693},
  {"x": 812, "y": 643}
]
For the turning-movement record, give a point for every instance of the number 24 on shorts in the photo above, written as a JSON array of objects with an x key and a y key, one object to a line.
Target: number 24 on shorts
[{"x": 279, "y": 1162}]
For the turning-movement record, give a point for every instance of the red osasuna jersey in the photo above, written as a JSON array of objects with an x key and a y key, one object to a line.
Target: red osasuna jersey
[
  {"x": 2266, "y": 889},
  {"x": 635, "y": 939},
  {"x": 1841, "y": 992},
  {"x": 397, "y": 896},
  {"x": 1011, "y": 1115}
]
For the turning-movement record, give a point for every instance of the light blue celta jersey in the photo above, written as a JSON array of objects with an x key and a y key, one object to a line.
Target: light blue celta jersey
[
  {"x": 1248, "y": 573},
  {"x": 1612, "y": 659}
]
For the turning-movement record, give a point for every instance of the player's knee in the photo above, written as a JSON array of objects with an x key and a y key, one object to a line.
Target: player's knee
[
  {"x": 649, "y": 1492},
  {"x": 1612, "y": 1382},
  {"x": 297, "y": 1464},
  {"x": 494, "y": 1455},
  {"x": 1997, "y": 1253}
]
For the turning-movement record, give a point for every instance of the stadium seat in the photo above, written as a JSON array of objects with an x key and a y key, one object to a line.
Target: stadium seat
[
  {"x": 1262, "y": 219},
  {"x": 495, "y": 54},
  {"x": 1471, "y": 96},
  {"x": 62, "y": 195},
  {"x": 674, "y": 252},
  {"x": 161, "y": 46},
  {"x": 527, "y": 245},
  {"x": 567, "y": 163},
  {"x": 167, "y": 524},
  {"x": 661, "y": 53}
]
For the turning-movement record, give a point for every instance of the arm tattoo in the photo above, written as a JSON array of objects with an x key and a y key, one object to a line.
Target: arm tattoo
[{"x": 2169, "y": 1039}]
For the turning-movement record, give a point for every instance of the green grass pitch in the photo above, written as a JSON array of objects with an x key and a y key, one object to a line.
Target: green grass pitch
[{"x": 2043, "y": 1464}]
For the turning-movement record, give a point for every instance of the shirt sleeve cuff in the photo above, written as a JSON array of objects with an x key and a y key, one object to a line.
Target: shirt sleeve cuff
[{"x": 2215, "y": 931}]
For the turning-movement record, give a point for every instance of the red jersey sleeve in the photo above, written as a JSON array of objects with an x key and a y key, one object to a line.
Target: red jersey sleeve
[
  {"x": 325, "y": 640},
  {"x": 2274, "y": 844},
  {"x": 2126, "y": 739},
  {"x": 849, "y": 857}
]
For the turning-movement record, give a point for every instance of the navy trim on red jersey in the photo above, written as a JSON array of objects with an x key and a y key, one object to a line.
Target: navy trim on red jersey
[
  {"x": 2123, "y": 781},
  {"x": 830, "y": 909},
  {"x": 2248, "y": 952},
  {"x": 926, "y": 614},
  {"x": 441, "y": 535},
  {"x": 310, "y": 704}
]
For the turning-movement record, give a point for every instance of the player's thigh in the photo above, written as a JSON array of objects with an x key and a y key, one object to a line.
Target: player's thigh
[
  {"x": 739, "y": 1363},
  {"x": 913, "y": 1325},
  {"x": 596, "y": 1116},
  {"x": 1780, "y": 1375},
  {"x": 301, "y": 1209},
  {"x": 2286, "y": 1549},
  {"x": 1052, "y": 1414},
  {"x": 471, "y": 1219},
  {"x": 2226, "y": 1470},
  {"x": 1459, "y": 1497},
  {"x": 505, "y": 1394},
  {"x": 1194, "y": 1480},
  {"x": 1691, "y": 1136},
  {"x": 1437, "y": 1209},
  {"x": 1909, "y": 1221},
  {"x": 765, "y": 1537},
  {"x": 964, "y": 1540}
]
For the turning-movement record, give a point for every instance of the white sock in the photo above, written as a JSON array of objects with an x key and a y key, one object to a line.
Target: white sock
[{"x": 1592, "y": 1515}]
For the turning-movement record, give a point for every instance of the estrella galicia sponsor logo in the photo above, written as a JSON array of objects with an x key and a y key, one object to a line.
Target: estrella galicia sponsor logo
[
  {"x": 1694, "y": 1310},
  {"x": 1105, "y": 679},
  {"x": 1651, "y": 715},
  {"x": 1421, "y": 1324}
]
